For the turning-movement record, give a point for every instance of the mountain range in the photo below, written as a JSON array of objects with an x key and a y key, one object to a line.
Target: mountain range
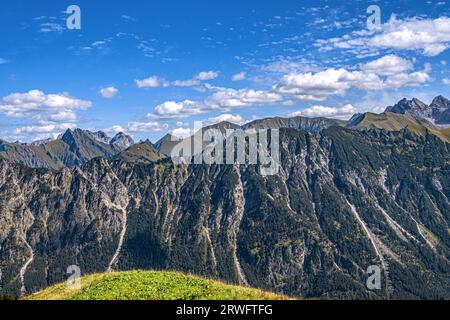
[{"x": 371, "y": 191}]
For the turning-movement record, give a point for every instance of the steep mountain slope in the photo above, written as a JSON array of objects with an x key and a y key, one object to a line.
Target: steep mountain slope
[
  {"x": 344, "y": 200},
  {"x": 397, "y": 122},
  {"x": 151, "y": 285},
  {"x": 441, "y": 110},
  {"x": 166, "y": 144},
  {"x": 86, "y": 145},
  {"x": 388, "y": 121},
  {"x": 28, "y": 155},
  {"x": 414, "y": 107},
  {"x": 121, "y": 141},
  {"x": 143, "y": 152}
]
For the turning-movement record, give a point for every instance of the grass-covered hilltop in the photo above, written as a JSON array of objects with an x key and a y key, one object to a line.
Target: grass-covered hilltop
[{"x": 151, "y": 285}]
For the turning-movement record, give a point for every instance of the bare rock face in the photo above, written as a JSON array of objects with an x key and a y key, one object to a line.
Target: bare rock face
[
  {"x": 414, "y": 107},
  {"x": 343, "y": 201},
  {"x": 438, "y": 110},
  {"x": 441, "y": 110},
  {"x": 121, "y": 141}
]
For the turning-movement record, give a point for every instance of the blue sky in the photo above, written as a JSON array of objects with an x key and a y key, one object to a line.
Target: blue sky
[{"x": 152, "y": 67}]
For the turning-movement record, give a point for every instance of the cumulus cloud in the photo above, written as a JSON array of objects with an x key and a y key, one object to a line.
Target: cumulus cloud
[
  {"x": 388, "y": 72},
  {"x": 388, "y": 65},
  {"x": 446, "y": 81},
  {"x": 318, "y": 86},
  {"x": 432, "y": 37},
  {"x": 109, "y": 92},
  {"x": 142, "y": 127},
  {"x": 173, "y": 110},
  {"x": 429, "y": 36},
  {"x": 151, "y": 82},
  {"x": 47, "y": 114},
  {"x": 44, "y": 129},
  {"x": 239, "y": 76},
  {"x": 227, "y": 99},
  {"x": 222, "y": 99},
  {"x": 35, "y": 104},
  {"x": 115, "y": 130},
  {"x": 343, "y": 112},
  {"x": 182, "y": 132},
  {"x": 226, "y": 117}
]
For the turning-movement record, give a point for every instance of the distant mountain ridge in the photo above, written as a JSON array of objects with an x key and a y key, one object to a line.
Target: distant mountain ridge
[
  {"x": 76, "y": 147},
  {"x": 166, "y": 144},
  {"x": 438, "y": 111}
]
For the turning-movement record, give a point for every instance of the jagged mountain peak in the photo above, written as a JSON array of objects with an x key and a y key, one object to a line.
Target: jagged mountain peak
[
  {"x": 121, "y": 141},
  {"x": 100, "y": 136},
  {"x": 440, "y": 99},
  {"x": 413, "y": 106},
  {"x": 440, "y": 103},
  {"x": 78, "y": 133},
  {"x": 438, "y": 111}
]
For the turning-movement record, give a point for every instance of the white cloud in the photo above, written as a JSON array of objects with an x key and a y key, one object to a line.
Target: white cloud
[
  {"x": 48, "y": 114},
  {"x": 173, "y": 110},
  {"x": 141, "y": 127},
  {"x": 388, "y": 65},
  {"x": 48, "y": 129},
  {"x": 51, "y": 27},
  {"x": 37, "y": 105},
  {"x": 155, "y": 81},
  {"x": 114, "y": 130},
  {"x": 207, "y": 75},
  {"x": 66, "y": 116},
  {"x": 226, "y": 117},
  {"x": 222, "y": 99},
  {"x": 182, "y": 132},
  {"x": 227, "y": 99},
  {"x": 239, "y": 76},
  {"x": 431, "y": 37},
  {"x": 318, "y": 86},
  {"x": 388, "y": 72},
  {"x": 446, "y": 81},
  {"x": 109, "y": 92},
  {"x": 151, "y": 82},
  {"x": 332, "y": 112},
  {"x": 185, "y": 83},
  {"x": 181, "y": 124},
  {"x": 3, "y": 61}
]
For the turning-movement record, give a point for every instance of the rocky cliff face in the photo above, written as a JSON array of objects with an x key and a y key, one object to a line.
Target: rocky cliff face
[{"x": 344, "y": 200}]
